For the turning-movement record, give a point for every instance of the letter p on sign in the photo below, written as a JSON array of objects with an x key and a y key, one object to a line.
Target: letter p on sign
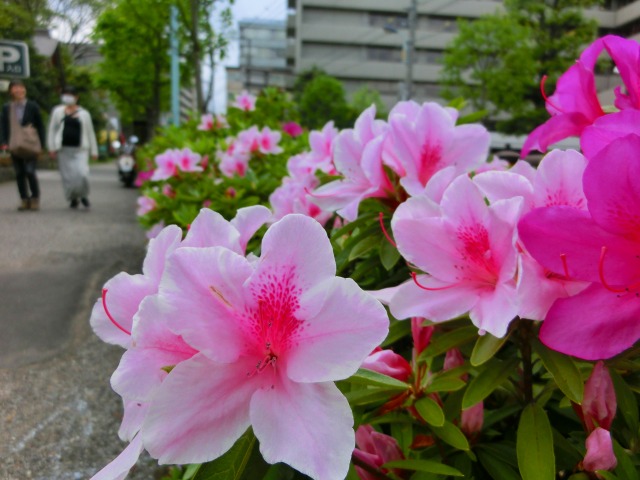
[{"x": 14, "y": 59}]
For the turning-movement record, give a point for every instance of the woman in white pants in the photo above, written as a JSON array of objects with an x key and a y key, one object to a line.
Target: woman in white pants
[{"x": 72, "y": 140}]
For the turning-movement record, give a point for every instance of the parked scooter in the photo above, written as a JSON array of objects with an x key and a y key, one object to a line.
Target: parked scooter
[{"x": 127, "y": 170}]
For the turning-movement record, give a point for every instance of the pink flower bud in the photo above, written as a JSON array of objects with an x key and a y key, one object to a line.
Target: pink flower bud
[
  {"x": 421, "y": 335},
  {"x": 600, "y": 454},
  {"x": 374, "y": 449},
  {"x": 472, "y": 419},
  {"x": 599, "y": 403},
  {"x": 207, "y": 203},
  {"x": 388, "y": 363},
  {"x": 453, "y": 359}
]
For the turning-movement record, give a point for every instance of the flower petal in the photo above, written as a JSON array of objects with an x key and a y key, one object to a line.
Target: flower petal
[
  {"x": 248, "y": 220},
  {"x": 200, "y": 410},
  {"x": 495, "y": 309},
  {"x": 159, "y": 249},
  {"x": 200, "y": 297},
  {"x": 595, "y": 324},
  {"x": 210, "y": 229},
  {"x": 308, "y": 426},
  {"x": 119, "y": 468},
  {"x": 335, "y": 342}
]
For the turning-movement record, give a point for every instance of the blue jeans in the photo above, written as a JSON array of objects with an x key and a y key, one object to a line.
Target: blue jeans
[{"x": 26, "y": 174}]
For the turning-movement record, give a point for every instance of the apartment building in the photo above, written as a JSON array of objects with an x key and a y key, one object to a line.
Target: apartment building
[
  {"x": 361, "y": 41},
  {"x": 262, "y": 62}
]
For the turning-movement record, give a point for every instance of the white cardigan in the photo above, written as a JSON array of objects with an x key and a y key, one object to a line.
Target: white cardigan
[{"x": 54, "y": 136}]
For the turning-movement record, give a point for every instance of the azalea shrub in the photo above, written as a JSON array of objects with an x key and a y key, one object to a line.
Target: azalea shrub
[
  {"x": 403, "y": 306},
  {"x": 225, "y": 162}
]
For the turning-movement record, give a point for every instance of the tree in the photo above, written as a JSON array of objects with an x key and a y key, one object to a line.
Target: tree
[
  {"x": 72, "y": 17},
  {"x": 323, "y": 99},
  {"x": 366, "y": 96},
  {"x": 497, "y": 62},
  {"x": 134, "y": 43}
]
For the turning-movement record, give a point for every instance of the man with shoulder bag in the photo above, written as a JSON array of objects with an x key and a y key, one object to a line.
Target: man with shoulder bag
[{"x": 22, "y": 133}]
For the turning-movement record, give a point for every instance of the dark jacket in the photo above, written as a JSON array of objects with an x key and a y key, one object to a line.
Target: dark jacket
[{"x": 31, "y": 116}]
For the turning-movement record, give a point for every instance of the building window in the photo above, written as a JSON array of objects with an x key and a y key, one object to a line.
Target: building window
[
  {"x": 384, "y": 54},
  {"x": 385, "y": 19}
]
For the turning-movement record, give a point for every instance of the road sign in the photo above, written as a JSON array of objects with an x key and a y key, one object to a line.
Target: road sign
[{"x": 14, "y": 59}]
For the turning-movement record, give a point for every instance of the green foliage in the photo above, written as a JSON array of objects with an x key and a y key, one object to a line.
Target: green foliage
[
  {"x": 497, "y": 61},
  {"x": 323, "y": 99},
  {"x": 366, "y": 96}
]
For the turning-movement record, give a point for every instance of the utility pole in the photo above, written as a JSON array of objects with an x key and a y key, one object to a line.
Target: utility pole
[
  {"x": 175, "y": 68},
  {"x": 410, "y": 48},
  {"x": 247, "y": 62}
]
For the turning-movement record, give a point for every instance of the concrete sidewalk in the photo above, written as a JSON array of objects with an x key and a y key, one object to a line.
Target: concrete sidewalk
[{"x": 58, "y": 415}]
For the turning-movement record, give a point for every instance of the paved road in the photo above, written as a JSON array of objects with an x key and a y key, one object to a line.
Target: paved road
[{"x": 58, "y": 415}]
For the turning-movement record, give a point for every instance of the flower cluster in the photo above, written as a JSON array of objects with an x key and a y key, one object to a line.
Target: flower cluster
[{"x": 510, "y": 292}]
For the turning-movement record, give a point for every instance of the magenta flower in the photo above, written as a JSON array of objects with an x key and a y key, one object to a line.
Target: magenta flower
[
  {"x": 427, "y": 140},
  {"x": 249, "y": 140},
  {"x": 599, "y": 246},
  {"x": 358, "y": 157},
  {"x": 166, "y": 165},
  {"x": 245, "y": 101},
  {"x": 467, "y": 248},
  {"x": 600, "y": 455},
  {"x": 142, "y": 177},
  {"x": 273, "y": 335},
  {"x": 375, "y": 449},
  {"x": 599, "y": 404},
  {"x": 188, "y": 161},
  {"x": 236, "y": 163},
  {"x": 145, "y": 205},
  {"x": 575, "y": 105},
  {"x": 388, "y": 363},
  {"x": 292, "y": 129}
]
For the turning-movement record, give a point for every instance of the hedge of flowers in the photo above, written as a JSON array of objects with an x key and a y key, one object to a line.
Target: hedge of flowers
[{"x": 407, "y": 308}]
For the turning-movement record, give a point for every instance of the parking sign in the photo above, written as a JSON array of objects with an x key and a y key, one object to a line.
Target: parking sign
[{"x": 14, "y": 59}]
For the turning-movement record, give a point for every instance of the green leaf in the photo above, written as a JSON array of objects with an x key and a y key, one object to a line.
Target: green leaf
[
  {"x": 626, "y": 401},
  {"x": 430, "y": 411},
  {"x": 496, "y": 468},
  {"x": 368, "y": 396},
  {"x": 625, "y": 468},
  {"x": 452, "y": 435},
  {"x": 363, "y": 246},
  {"x": 449, "y": 340},
  {"x": 490, "y": 378},
  {"x": 375, "y": 379},
  {"x": 606, "y": 475},
  {"x": 428, "y": 466},
  {"x": 397, "y": 329},
  {"x": 445, "y": 384},
  {"x": 485, "y": 348},
  {"x": 389, "y": 255},
  {"x": 536, "y": 459},
  {"x": 231, "y": 465},
  {"x": 564, "y": 370}
]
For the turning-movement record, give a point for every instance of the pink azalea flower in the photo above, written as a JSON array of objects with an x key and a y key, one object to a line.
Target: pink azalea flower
[
  {"x": 129, "y": 314},
  {"x": 428, "y": 140},
  {"x": 600, "y": 455},
  {"x": 236, "y": 163},
  {"x": 166, "y": 165},
  {"x": 468, "y": 250},
  {"x": 599, "y": 404},
  {"x": 608, "y": 128},
  {"x": 558, "y": 181},
  {"x": 145, "y": 205},
  {"x": 273, "y": 335},
  {"x": 301, "y": 166},
  {"x": 575, "y": 105},
  {"x": 154, "y": 231},
  {"x": 168, "y": 191},
  {"x": 358, "y": 157},
  {"x": 388, "y": 363},
  {"x": 245, "y": 101},
  {"x": 188, "y": 161},
  {"x": 375, "y": 449},
  {"x": 292, "y": 129},
  {"x": 321, "y": 144},
  {"x": 206, "y": 122},
  {"x": 268, "y": 142},
  {"x": 293, "y": 197},
  {"x": 249, "y": 140},
  {"x": 599, "y": 246}
]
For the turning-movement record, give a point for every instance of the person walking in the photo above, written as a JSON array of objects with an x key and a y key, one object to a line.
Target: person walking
[
  {"x": 71, "y": 138},
  {"x": 20, "y": 112}
]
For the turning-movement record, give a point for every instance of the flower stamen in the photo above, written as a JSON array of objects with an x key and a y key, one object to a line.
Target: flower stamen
[
  {"x": 563, "y": 257},
  {"x": 109, "y": 316},
  {"x": 432, "y": 289},
  {"x": 384, "y": 230},
  {"x": 604, "y": 283}
]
